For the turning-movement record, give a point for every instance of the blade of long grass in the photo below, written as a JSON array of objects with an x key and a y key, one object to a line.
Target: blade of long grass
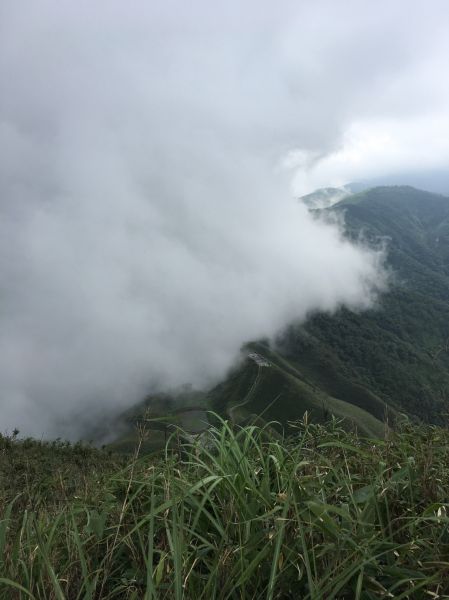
[
  {"x": 277, "y": 548},
  {"x": 16, "y": 586},
  {"x": 43, "y": 551}
]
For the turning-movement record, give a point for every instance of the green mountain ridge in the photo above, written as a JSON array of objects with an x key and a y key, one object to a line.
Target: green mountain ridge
[
  {"x": 393, "y": 358},
  {"x": 282, "y": 394},
  {"x": 397, "y": 350},
  {"x": 363, "y": 367}
]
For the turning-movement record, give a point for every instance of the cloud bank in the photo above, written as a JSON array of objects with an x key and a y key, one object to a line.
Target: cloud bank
[{"x": 148, "y": 225}]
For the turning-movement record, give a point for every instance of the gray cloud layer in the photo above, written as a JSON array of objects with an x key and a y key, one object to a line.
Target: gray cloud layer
[{"x": 147, "y": 222}]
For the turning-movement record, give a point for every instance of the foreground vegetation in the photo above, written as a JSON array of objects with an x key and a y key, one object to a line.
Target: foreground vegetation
[{"x": 323, "y": 514}]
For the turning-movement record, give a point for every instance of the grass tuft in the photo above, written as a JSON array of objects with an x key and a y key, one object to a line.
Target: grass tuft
[{"x": 323, "y": 514}]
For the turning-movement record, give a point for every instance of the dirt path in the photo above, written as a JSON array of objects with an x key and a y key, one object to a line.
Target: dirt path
[{"x": 247, "y": 398}]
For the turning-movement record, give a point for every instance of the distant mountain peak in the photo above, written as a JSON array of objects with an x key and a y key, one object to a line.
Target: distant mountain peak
[
  {"x": 435, "y": 180},
  {"x": 325, "y": 197},
  {"x": 403, "y": 197}
]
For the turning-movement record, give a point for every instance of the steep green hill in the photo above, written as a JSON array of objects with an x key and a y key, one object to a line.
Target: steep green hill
[
  {"x": 399, "y": 350},
  {"x": 395, "y": 354},
  {"x": 280, "y": 392}
]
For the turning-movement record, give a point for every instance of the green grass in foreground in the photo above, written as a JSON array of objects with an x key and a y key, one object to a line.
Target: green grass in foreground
[{"x": 324, "y": 514}]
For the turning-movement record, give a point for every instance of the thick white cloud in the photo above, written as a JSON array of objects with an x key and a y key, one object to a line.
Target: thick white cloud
[
  {"x": 376, "y": 148},
  {"x": 148, "y": 227},
  {"x": 381, "y": 71}
]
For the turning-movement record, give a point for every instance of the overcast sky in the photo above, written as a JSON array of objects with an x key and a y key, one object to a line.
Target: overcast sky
[{"x": 150, "y": 155}]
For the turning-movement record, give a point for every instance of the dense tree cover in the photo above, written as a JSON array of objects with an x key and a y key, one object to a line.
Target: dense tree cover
[{"x": 398, "y": 350}]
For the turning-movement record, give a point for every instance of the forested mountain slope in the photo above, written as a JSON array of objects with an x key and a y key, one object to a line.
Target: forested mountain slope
[
  {"x": 394, "y": 355},
  {"x": 399, "y": 350}
]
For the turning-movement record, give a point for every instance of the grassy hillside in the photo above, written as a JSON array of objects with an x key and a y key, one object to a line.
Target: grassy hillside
[
  {"x": 323, "y": 514},
  {"x": 281, "y": 393},
  {"x": 160, "y": 414}
]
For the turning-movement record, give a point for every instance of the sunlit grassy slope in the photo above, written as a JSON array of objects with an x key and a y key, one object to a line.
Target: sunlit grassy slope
[{"x": 283, "y": 393}]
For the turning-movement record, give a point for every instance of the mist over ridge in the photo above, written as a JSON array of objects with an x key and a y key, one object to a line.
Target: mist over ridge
[{"x": 148, "y": 174}]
